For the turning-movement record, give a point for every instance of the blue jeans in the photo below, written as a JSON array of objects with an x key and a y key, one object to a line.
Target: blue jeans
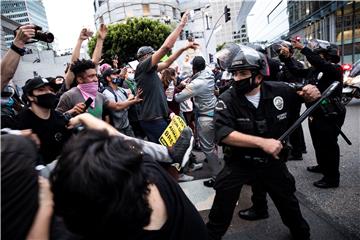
[{"x": 154, "y": 128}]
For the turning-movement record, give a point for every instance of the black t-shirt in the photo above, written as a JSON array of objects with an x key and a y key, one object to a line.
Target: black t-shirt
[
  {"x": 154, "y": 103},
  {"x": 184, "y": 222},
  {"x": 51, "y": 132}
]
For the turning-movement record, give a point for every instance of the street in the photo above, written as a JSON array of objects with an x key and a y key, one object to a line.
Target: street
[{"x": 333, "y": 214}]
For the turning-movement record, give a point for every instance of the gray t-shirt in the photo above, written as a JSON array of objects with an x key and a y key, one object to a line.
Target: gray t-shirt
[
  {"x": 72, "y": 97},
  {"x": 120, "y": 118},
  {"x": 154, "y": 103}
]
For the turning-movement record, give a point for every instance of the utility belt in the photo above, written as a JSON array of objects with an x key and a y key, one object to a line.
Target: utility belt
[
  {"x": 330, "y": 108},
  {"x": 253, "y": 161}
]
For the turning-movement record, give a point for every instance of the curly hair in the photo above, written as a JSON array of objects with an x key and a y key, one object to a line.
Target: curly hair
[
  {"x": 80, "y": 66},
  {"x": 100, "y": 186}
]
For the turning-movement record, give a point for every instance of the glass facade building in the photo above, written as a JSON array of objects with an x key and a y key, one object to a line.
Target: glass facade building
[
  {"x": 24, "y": 12},
  {"x": 334, "y": 21}
]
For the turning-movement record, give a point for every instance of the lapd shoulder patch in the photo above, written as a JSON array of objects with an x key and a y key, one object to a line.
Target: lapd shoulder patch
[
  {"x": 220, "y": 106},
  {"x": 278, "y": 103}
]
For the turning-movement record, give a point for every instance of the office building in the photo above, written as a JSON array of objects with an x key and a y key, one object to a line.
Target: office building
[{"x": 334, "y": 21}]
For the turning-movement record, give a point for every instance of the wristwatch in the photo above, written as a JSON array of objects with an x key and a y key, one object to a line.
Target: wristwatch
[{"x": 20, "y": 51}]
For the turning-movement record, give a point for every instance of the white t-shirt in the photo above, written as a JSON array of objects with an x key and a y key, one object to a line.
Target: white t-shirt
[{"x": 254, "y": 99}]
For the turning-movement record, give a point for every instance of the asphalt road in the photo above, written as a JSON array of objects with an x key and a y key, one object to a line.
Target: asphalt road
[{"x": 333, "y": 214}]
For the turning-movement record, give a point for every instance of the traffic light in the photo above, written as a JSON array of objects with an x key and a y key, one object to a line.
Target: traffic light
[
  {"x": 211, "y": 58},
  {"x": 227, "y": 14}
]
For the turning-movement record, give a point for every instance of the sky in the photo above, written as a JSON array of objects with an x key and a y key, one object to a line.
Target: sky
[
  {"x": 261, "y": 28},
  {"x": 66, "y": 18}
]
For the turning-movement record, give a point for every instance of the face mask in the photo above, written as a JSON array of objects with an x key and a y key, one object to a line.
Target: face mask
[
  {"x": 117, "y": 81},
  {"x": 131, "y": 76},
  {"x": 89, "y": 88},
  {"x": 46, "y": 100},
  {"x": 245, "y": 85}
]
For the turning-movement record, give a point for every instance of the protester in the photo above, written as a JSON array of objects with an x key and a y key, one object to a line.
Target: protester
[
  {"x": 26, "y": 199},
  {"x": 201, "y": 88},
  {"x": 119, "y": 119},
  {"x": 124, "y": 193},
  {"x": 42, "y": 119},
  {"x": 153, "y": 111}
]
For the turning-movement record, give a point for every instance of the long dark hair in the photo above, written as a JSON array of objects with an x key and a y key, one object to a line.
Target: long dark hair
[{"x": 168, "y": 75}]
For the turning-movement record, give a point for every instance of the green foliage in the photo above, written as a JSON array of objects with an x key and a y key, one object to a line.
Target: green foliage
[
  {"x": 220, "y": 46},
  {"x": 124, "y": 39}
]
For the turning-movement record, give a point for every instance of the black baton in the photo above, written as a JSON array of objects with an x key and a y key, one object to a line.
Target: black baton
[{"x": 308, "y": 111}]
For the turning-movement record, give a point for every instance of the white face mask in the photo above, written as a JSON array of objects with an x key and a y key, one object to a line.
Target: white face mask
[{"x": 131, "y": 76}]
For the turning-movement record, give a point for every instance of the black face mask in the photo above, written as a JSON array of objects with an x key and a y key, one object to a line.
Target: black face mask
[
  {"x": 245, "y": 85},
  {"x": 47, "y": 100}
]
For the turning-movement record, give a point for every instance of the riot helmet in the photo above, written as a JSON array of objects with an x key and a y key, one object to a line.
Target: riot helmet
[
  {"x": 249, "y": 59},
  {"x": 276, "y": 47},
  {"x": 225, "y": 56},
  {"x": 329, "y": 50},
  {"x": 257, "y": 47},
  {"x": 144, "y": 50}
]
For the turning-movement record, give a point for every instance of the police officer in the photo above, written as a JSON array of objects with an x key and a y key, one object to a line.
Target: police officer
[
  {"x": 259, "y": 209},
  {"x": 249, "y": 117},
  {"x": 325, "y": 123}
]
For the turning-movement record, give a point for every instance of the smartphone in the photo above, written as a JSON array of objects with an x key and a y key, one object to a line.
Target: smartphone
[{"x": 87, "y": 103}]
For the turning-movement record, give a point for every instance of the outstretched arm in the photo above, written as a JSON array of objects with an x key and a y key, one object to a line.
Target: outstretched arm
[
  {"x": 170, "y": 41},
  {"x": 11, "y": 59},
  {"x": 69, "y": 76},
  {"x": 99, "y": 44},
  {"x": 155, "y": 151},
  {"x": 173, "y": 57}
]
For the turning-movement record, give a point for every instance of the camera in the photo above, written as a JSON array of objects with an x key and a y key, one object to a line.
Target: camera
[
  {"x": 40, "y": 35},
  {"x": 43, "y": 36}
]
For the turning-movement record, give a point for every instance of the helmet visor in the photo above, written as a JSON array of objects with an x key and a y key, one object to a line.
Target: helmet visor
[{"x": 226, "y": 55}]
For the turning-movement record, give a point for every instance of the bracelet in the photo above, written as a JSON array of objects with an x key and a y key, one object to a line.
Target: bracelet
[{"x": 20, "y": 51}]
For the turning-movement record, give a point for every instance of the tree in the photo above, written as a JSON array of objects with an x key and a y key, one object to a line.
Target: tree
[
  {"x": 220, "y": 46},
  {"x": 124, "y": 39}
]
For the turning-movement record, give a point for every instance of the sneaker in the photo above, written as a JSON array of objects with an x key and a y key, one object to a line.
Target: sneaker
[
  {"x": 209, "y": 183},
  {"x": 195, "y": 166},
  {"x": 180, "y": 151},
  {"x": 185, "y": 178}
]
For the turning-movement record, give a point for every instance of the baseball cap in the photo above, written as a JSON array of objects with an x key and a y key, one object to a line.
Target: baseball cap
[
  {"x": 34, "y": 83},
  {"x": 110, "y": 71}
]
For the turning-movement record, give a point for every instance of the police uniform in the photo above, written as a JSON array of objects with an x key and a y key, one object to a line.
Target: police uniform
[
  {"x": 324, "y": 123},
  {"x": 248, "y": 165}
]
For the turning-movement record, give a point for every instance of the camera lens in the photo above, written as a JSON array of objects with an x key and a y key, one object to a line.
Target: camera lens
[{"x": 44, "y": 36}]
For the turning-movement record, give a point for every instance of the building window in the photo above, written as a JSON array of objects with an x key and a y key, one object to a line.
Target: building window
[
  {"x": 146, "y": 9},
  {"x": 174, "y": 13}
]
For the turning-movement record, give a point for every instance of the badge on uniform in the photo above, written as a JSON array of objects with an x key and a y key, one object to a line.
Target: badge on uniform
[
  {"x": 220, "y": 106},
  {"x": 278, "y": 103}
]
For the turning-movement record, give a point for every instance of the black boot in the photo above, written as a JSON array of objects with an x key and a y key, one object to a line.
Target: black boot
[{"x": 251, "y": 214}]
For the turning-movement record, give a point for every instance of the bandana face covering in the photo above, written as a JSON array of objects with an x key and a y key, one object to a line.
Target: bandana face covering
[{"x": 89, "y": 90}]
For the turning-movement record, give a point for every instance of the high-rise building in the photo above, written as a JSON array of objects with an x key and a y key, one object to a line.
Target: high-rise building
[
  {"x": 334, "y": 21},
  {"x": 109, "y": 12},
  {"x": 233, "y": 30},
  {"x": 7, "y": 28},
  {"x": 24, "y": 12}
]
